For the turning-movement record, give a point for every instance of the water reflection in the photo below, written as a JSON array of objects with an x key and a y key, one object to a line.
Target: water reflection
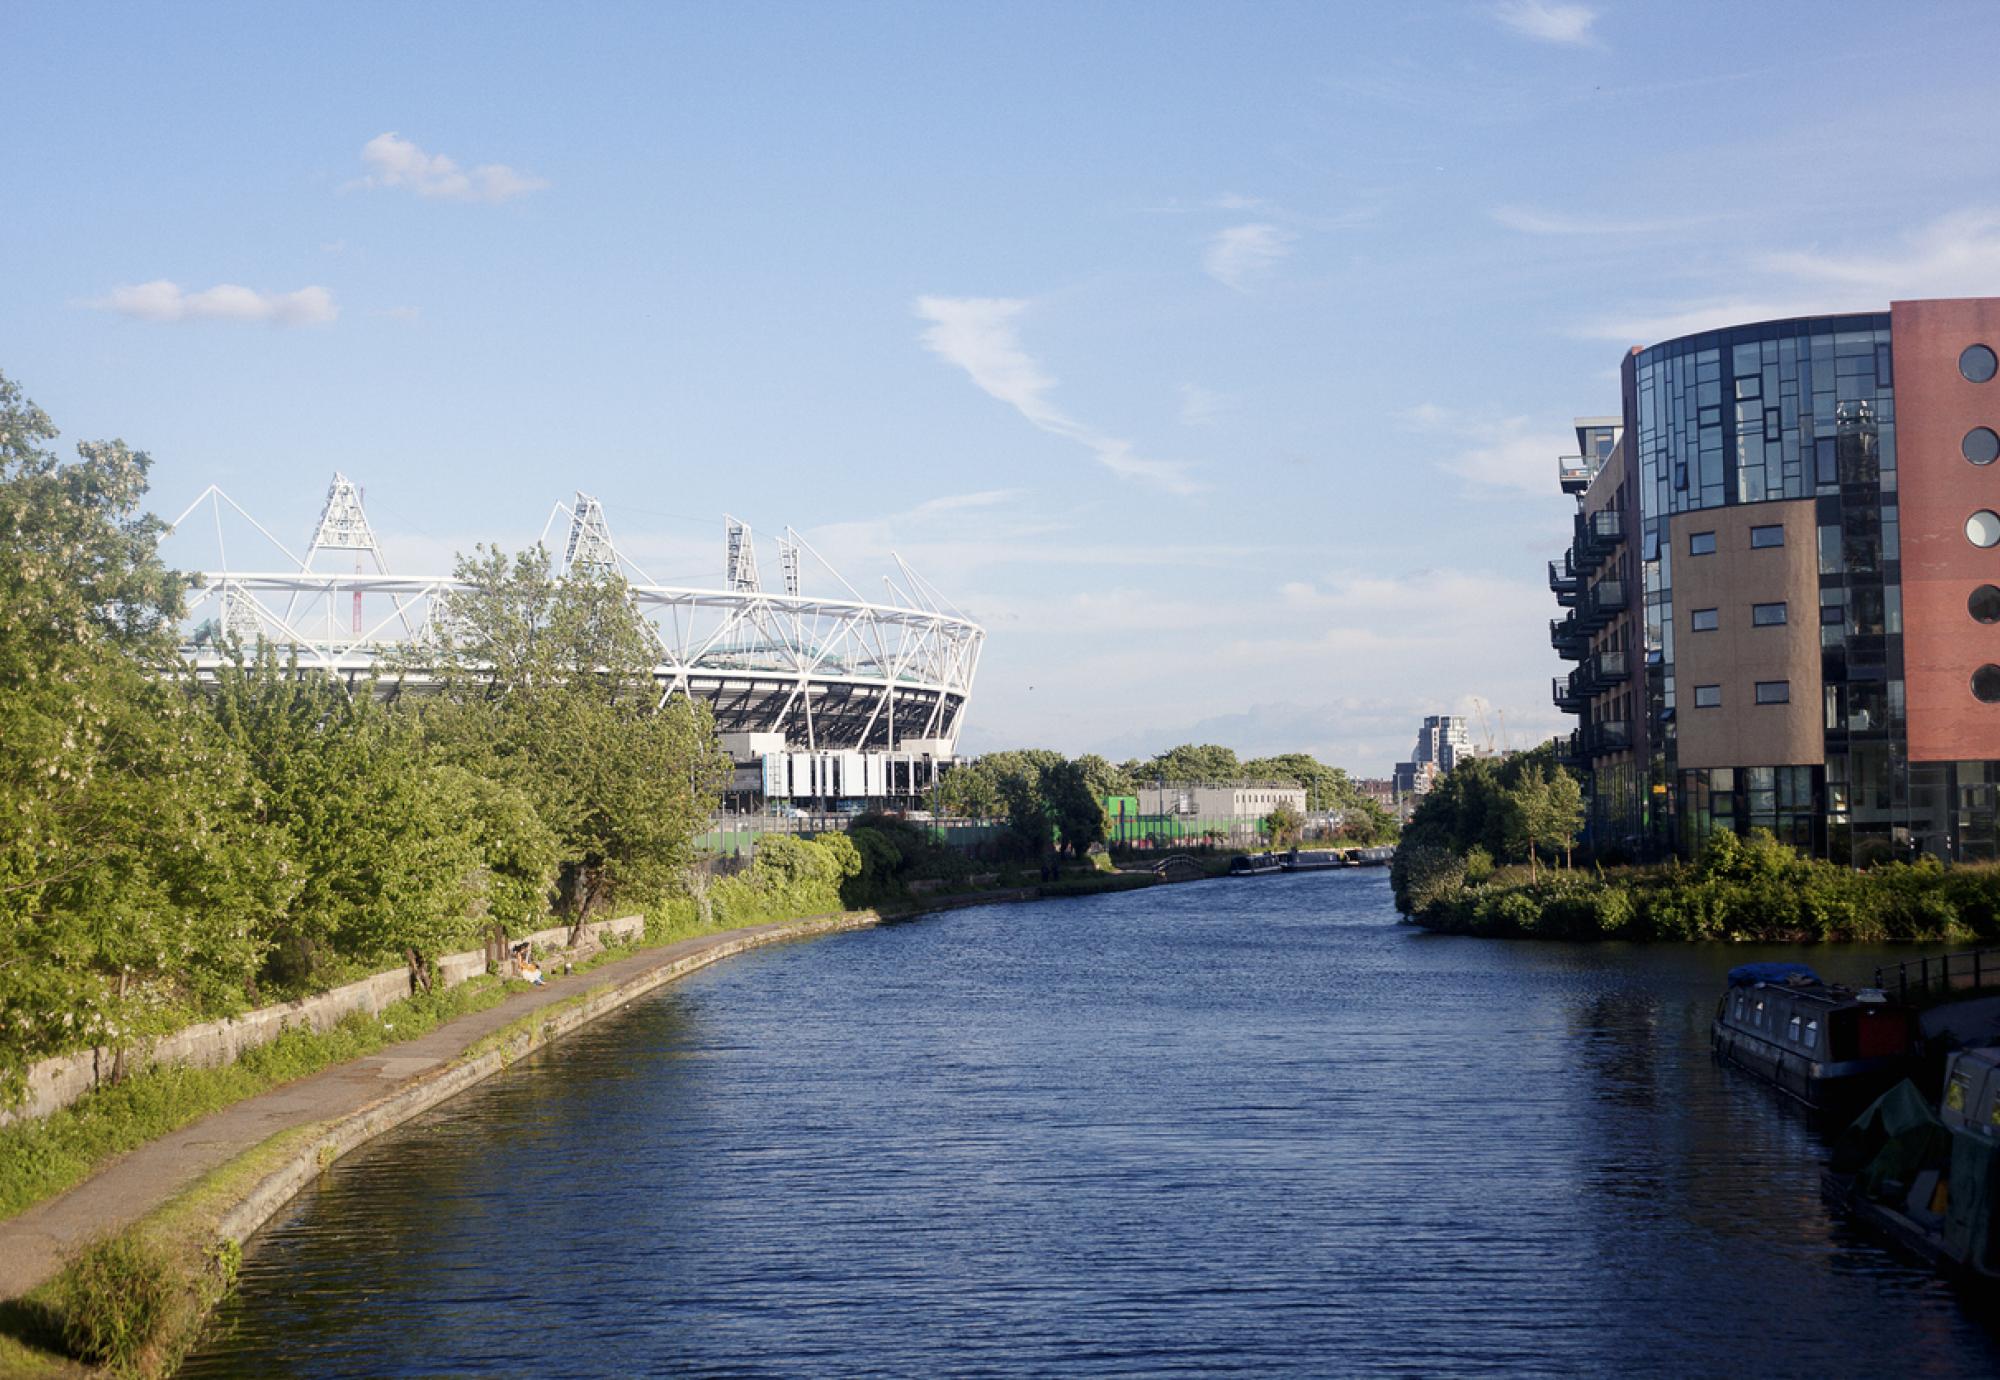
[{"x": 1238, "y": 1126}]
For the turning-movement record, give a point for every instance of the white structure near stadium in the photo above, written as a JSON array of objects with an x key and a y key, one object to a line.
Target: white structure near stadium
[{"x": 820, "y": 700}]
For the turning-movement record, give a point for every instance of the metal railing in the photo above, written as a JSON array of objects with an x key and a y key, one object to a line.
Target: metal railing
[{"x": 1941, "y": 974}]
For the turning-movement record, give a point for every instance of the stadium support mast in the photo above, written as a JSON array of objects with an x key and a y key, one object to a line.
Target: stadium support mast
[
  {"x": 589, "y": 547},
  {"x": 788, "y": 561},
  {"x": 742, "y": 557}
]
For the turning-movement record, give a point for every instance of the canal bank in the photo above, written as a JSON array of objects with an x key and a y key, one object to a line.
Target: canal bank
[{"x": 195, "y": 1195}]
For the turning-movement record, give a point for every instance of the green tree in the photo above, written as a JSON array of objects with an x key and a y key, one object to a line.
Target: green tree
[
  {"x": 1566, "y": 811},
  {"x": 1285, "y": 825},
  {"x": 1192, "y": 764},
  {"x": 1327, "y": 788}
]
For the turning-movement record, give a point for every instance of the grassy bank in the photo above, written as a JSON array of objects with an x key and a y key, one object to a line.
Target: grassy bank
[{"x": 1740, "y": 889}]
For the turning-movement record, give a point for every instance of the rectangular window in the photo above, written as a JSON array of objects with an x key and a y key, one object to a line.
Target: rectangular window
[
  {"x": 1766, "y": 615},
  {"x": 1708, "y": 697},
  {"x": 1774, "y": 692},
  {"x": 1705, "y": 620},
  {"x": 1767, "y": 536},
  {"x": 1701, "y": 543}
]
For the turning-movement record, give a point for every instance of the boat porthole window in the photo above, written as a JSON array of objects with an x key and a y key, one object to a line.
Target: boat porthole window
[{"x": 1812, "y": 1034}]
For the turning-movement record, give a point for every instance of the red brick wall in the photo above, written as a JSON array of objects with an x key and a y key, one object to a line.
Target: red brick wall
[{"x": 1939, "y": 489}]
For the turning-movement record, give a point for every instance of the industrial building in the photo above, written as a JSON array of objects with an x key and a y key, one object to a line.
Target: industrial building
[{"x": 1782, "y": 592}]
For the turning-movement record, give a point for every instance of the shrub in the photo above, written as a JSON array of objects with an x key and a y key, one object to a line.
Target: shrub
[{"x": 114, "y": 1300}]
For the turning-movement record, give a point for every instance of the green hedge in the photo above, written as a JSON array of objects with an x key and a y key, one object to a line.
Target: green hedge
[{"x": 1740, "y": 889}]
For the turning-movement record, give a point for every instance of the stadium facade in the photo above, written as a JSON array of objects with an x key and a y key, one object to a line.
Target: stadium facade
[{"x": 821, "y": 700}]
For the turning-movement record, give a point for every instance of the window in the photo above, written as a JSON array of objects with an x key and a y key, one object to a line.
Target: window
[
  {"x": 1767, "y": 536},
  {"x": 1767, "y": 615},
  {"x": 1774, "y": 692},
  {"x": 1757, "y": 1015},
  {"x": 1708, "y": 697},
  {"x": 1977, "y": 364},
  {"x": 1982, "y": 529},
  {"x": 1984, "y": 604},
  {"x": 1795, "y": 1027},
  {"x": 1705, "y": 620},
  {"x": 1986, "y": 684},
  {"x": 1981, "y": 445},
  {"x": 1812, "y": 1035},
  {"x": 1701, "y": 544}
]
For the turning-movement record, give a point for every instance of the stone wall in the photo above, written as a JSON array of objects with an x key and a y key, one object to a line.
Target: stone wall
[{"x": 55, "y": 1083}]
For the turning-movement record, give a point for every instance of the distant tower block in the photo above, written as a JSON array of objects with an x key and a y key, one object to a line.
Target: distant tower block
[
  {"x": 589, "y": 547},
  {"x": 788, "y": 562},
  {"x": 343, "y": 525},
  {"x": 742, "y": 557}
]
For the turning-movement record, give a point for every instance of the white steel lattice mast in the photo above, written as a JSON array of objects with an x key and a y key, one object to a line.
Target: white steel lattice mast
[
  {"x": 343, "y": 526},
  {"x": 742, "y": 557},
  {"x": 788, "y": 561},
  {"x": 589, "y": 547}
]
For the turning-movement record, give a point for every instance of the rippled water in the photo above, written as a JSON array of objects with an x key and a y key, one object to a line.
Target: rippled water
[{"x": 1246, "y": 1125}]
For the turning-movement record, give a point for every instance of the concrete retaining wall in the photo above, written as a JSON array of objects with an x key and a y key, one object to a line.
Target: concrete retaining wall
[{"x": 55, "y": 1083}]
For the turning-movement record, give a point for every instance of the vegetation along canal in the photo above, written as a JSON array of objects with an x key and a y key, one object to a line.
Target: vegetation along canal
[{"x": 1239, "y": 1125}]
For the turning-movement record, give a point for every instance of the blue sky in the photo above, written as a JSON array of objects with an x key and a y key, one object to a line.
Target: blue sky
[{"x": 1216, "y": 357}]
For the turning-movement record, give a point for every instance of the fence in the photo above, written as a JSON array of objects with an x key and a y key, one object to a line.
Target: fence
[{"x": 1942, "y": 975}]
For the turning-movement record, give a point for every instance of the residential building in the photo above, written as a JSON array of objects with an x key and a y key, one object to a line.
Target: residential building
[
  {"x": 1442, "y": 743},
  {"x": 1782, "y": 594},
  {"x": 1253, "y": 800}
]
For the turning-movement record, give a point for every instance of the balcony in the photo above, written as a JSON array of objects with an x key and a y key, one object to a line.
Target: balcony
[
  {"x": 1597, "y": 536},
  {"x": 1568, "y": 698},
  {"x": 1570, "y": 639},
  {"x": 1570, "y": 753},
  {"x": 1602, "y": 600},
  {"x": 1609, "y": 668},
  {"x": 1606, "y": 737},
  {"x": 1575, "y": 472},
  {"x": 1564, "y": 582}
]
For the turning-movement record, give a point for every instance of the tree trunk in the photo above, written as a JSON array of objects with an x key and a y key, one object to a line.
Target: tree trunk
[{"x": 420, "y": 972}]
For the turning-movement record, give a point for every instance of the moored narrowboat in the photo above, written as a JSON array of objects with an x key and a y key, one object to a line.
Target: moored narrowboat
[
  {"x": 1256, "y": 864},
  {"x": 1833, "y": 1048},
  {"x": 1314, "y": 860},
  {"x": 1930, "y": 1180}
]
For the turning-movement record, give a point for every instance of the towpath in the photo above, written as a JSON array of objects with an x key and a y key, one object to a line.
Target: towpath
[{"x": 34, "y": 1243}]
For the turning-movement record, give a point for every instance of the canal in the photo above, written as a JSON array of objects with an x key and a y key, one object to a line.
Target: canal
[{"x": 1248, "y": 1125}]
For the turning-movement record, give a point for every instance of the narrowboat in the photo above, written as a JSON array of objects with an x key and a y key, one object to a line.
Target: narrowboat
[
  {"x": 1255, "y": 864},
  {"x": 1833, "y": 1048},
  {"x": 1314, "y": 861},
  {"x": 1929, "y": 1180}
]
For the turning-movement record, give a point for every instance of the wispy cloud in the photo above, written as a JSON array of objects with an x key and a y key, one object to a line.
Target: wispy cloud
[
  {"x": 1240, "y": 255},
  {"x": 394, "y": 161},
  {"x": 1530, "y": 220},
  {"x": 1957, "y": 255},
  {"x": 978, "y": 335},
  {"x": 1495, "y": 453},
  {"x": 1547, "y": 23},
  {"x": 161, "y": 300},
  {"x": 1202, "y": 406}
]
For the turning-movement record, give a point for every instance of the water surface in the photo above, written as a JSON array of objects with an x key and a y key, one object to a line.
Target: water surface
[{"x": 1241, "y": 1126}]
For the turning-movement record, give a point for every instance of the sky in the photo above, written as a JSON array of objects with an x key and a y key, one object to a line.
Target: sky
[{"x": 1215, "y": 357}]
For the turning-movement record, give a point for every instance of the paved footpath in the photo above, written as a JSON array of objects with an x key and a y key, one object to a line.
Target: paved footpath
[{"x": 33, "y": 1243}]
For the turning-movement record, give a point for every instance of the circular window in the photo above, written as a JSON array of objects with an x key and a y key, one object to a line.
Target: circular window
[
  {"x": 1983, "y": 528},
  {"x": 1981, "y": 446},
  {"x": 1984, "y": 605},
  {"x": 1986, "y": 683},
  {"x": 1977, "y": 363}
]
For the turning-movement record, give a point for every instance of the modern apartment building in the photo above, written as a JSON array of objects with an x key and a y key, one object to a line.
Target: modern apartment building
[{"x": 1782, "y": 594}]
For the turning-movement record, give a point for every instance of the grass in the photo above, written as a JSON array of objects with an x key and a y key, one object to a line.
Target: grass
[{"x": 41, "y": 1158}]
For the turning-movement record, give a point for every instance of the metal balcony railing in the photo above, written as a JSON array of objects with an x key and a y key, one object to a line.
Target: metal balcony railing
[
  {"x": 1609, "y": 668},
  {"x": 1564, "y": 582},
  {"x": 1597, "y": 536},
  {"x": 1608, "y": 736},
  {"x": 1575, "y": 473},
  {"x": 1570, "y": 639},
  {"x": 1563, "y": 690}
]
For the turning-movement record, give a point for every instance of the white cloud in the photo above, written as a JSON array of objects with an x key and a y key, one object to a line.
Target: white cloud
[
  {"x": 977, "y": 334},
  {"x": 1202, "y": 406},
  {"x": 396, "y": 162},
  {"x": 1241, "y": 254},
  {"x": 1495, "y": 453},
  {"x": 1547, "y": 23},
  {"x": 1957, "y": 255},
  {"x": 1530, "y": 220},
  {"x": 161, "y": 300}
]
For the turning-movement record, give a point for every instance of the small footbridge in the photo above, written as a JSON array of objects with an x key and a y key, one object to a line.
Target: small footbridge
[{"x": 1179, "y": 867}]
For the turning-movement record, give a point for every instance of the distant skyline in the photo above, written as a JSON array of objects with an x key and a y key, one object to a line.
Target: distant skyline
[{"x": 1215, "y": 357}]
